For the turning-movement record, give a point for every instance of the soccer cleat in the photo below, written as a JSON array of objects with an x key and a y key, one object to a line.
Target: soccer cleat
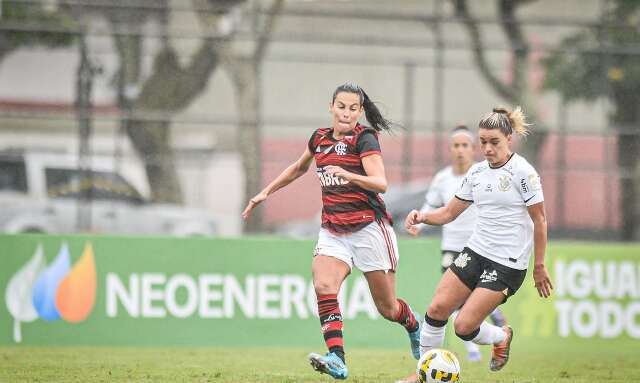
[
  {"x": 414, "y": 337},
  {"x": 413, "y": 378},
  {"x": 329, "y": 364},
  {"x": 500, "y": 354},
  {"x": 474, "y": 356}
]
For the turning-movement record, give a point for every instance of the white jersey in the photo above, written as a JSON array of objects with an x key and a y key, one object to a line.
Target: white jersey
[
  {"x": 442, "y": 189},
  {"x": 503, "y": 230}
]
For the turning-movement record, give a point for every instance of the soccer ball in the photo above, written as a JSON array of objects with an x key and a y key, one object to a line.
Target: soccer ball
[{"x": 437, "y": 366}]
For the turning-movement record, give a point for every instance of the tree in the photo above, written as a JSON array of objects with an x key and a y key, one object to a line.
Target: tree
[
  {"x": 14, "y": 35},
  {"x": 147, "y": 101},
  {"x": 598, "y": 63},
  {"x": 518, "y": 91},
  {"x": 245, "y": 72}
]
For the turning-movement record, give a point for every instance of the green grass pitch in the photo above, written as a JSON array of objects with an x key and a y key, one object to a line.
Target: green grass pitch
[{"x": 589, "y": 361}]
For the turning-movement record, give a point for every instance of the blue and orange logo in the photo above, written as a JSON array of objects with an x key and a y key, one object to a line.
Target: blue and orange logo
[{"x": 58, "y": 291}]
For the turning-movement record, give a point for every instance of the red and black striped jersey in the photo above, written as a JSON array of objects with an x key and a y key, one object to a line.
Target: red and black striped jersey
[{"x": 346, "y": 207}]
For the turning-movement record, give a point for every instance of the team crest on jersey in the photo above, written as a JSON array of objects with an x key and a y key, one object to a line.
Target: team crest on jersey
[
  {"x": 341, "y": 149},
  {"x": 504, "y": 183},
  {"x": 462, "y": 260}
]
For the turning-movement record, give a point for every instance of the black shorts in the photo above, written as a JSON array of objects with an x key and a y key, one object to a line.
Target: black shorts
[
  {"x": 474, "y": 270},
  {"x": 447, "y": 259}
]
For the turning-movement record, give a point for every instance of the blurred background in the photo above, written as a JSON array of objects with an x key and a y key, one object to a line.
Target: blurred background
[{"x": 166, "y": 116}]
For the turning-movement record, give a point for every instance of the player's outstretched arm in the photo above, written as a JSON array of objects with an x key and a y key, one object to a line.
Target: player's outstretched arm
[
  {"x": 288, "y": 175},
  {"x": 440, "y": 216},
  {"x": 540, "y": 273}
]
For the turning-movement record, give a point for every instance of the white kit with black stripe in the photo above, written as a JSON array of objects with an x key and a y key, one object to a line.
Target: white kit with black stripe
[{"x": 503, "y": 230}]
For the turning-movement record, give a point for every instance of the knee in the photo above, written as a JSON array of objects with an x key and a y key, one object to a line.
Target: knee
[
  {"x": 439, "y": 311},
  {"x": 465, "y": 328},
  {"x": 323, "y": 287},
  {"x": 388, "y": 310}
]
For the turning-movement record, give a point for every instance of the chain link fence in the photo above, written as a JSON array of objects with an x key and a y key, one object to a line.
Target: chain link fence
[{"x": 165, "y": 117}]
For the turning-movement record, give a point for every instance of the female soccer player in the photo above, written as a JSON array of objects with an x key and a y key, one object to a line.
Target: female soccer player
[
  {"x": 356, "y": 228},
  {"x": 456, "y": 234},
  {"x": 508, "y": 195}
]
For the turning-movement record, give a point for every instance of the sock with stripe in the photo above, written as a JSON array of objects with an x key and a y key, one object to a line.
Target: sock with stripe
[
  {"x": 486, "y": 334},
  {"x": 331, "y": 322},
  {"x": 405, "y": 316},
  {"x": 432, "y": 334}
]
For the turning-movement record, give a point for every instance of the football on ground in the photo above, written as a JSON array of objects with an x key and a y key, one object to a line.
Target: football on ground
[{"x": 437, "y": 366}]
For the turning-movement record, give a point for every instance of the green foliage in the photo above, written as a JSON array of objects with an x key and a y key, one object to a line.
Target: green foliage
[
  {"x": 600, "y": 62},
  {"x": 576, "y": 75},
  {"x": 54, "y": 26}
]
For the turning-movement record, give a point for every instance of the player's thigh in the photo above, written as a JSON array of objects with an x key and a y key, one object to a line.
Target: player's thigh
[
  {"x": 450, "y": 294},
  {"x": 478, "y": 306},
  {"x": 332, "y": 262},
  {"x": 328, "y": 274},
  {"x": 382, "y": 285}
]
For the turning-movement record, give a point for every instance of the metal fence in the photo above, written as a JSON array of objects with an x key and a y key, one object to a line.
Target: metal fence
[{"x": 96, "y": 154}]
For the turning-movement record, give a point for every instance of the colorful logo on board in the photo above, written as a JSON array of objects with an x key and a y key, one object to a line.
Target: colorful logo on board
[{"x": 54, "y": 292}]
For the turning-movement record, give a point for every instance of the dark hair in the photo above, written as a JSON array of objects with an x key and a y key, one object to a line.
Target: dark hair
[
  {"x": 461, "y": 128},
  {"x": 507, "y": 121},
  {"x": 373, "y": 115}
]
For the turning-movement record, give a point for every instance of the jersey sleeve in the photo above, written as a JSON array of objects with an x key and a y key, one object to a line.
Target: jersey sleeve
[
  {"x": 368, "y": 144},
  {"x": 464, "y": 191},
  {"x": 529, "y": 185},
  {"x": 310, "y": 145}
]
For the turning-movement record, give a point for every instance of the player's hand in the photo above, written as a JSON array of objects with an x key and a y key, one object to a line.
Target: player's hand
[
  {"x": 413, "y": 230},
  {"x": 412, "y": 220},
  {"x": 253, "y": 202},
  {"x": 337, "y": 171},
  {"x": 542, "y": 281}
]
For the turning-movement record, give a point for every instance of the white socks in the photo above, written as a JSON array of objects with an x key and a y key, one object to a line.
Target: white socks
[
  {"x": 489, "y": 334},
  {"x": 471, "y": 347},
  {"x": 431, "y": 336}
]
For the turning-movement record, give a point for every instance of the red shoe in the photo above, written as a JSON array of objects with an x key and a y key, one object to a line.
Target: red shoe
[
  {"x": 413, "y": 378},
  {"x": 500, "y": 354}
]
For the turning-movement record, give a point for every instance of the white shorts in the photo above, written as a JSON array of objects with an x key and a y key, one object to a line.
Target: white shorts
[{"x": 369, "y": 249}]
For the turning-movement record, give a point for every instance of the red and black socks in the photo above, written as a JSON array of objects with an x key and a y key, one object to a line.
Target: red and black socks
[
  {"x": 331, "y": 322},
  {"x": 405, "y": 316}
]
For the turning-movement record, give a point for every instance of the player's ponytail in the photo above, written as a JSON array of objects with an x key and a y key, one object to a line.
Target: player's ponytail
[
  {"x": 508, "y": 122},
  {"x": 371, "y": 111}
]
